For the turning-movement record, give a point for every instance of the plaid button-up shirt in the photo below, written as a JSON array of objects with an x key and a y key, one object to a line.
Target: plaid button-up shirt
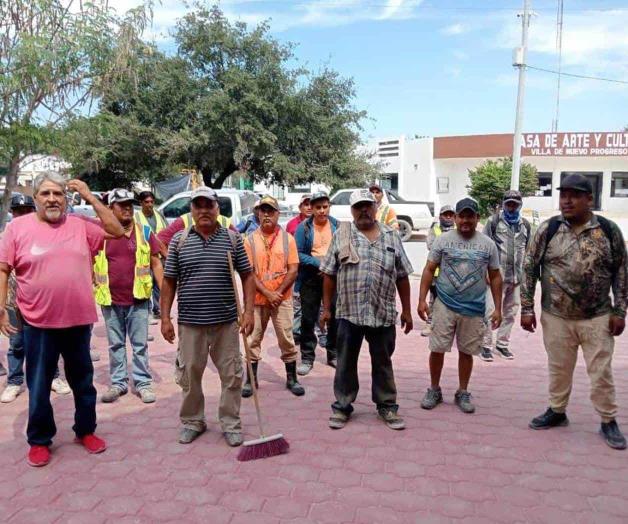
[{"x": 366, "y": 290}]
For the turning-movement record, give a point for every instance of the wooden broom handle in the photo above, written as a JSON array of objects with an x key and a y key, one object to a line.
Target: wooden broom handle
[{"x": 247, "y": 351}]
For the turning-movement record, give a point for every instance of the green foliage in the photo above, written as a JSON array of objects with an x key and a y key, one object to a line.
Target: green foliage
[
  {"x": 228, "y": 101},
  {"x": 490, "y": 180},
  {"x": 54, "y": 58}
]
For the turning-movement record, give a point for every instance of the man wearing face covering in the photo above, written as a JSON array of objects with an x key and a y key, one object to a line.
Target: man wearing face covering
[
  {"x": 511, "y": 234},
  {"x": 446, "y": 222}
]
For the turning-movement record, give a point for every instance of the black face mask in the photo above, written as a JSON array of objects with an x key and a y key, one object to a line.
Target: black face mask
[{"x": 446, "y": 222}]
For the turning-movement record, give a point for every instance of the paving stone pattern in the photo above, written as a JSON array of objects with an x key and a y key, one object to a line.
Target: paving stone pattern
[{"x": 445, "y": 467}]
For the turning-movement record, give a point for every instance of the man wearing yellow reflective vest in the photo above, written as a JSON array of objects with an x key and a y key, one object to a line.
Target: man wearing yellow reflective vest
[
  {"x": 385, "y": 213},
  {"x": 149, "y": 217},
  {"x": 123, "y": 287},
  {"x": 181, "y": 223},
  {"x": 446, "y": 222}
]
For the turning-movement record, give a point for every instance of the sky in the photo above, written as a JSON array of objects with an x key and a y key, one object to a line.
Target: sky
[{"x": 444, "y": 67}]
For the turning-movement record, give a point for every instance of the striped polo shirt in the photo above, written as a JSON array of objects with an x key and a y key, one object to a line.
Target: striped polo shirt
[{"x": 204, "y": 289}]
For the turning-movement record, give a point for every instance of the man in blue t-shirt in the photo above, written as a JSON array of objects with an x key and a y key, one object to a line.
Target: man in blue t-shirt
[{"x": 464, "y": 257}]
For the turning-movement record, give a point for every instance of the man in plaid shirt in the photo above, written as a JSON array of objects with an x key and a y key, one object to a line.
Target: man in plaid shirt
[{"x": 365, "y": 264}]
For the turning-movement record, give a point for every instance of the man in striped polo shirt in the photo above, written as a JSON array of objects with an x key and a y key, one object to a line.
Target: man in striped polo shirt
[{"x": 198, "y": 271}]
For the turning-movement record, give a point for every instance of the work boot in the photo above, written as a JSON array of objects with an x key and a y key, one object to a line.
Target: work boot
[
  {"x": 247, "y": 389},
  {"x": 112, "y": 394},
  {"x": 432, "y": 398},
  {"x": 60, "y": 386},
  {"x": 187, "y": 435},
  {"x": 612, "y": 435},
  {"x": 291, "y": 380},
  {"x": 549, "y": 419},
  {"x": 233, "y": 439}
]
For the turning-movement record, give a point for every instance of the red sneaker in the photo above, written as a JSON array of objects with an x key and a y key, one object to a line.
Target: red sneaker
[
  {"x": 92, "y": 443},
  {"x": 38, "y": 456}
]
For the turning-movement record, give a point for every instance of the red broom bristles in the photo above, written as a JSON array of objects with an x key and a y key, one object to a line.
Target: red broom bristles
[{"x": 262, "y": 450}]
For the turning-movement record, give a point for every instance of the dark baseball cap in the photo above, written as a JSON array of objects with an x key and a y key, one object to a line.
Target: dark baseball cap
[
  {"x": 319, "y": 195},
  {"x": 22, "y": 201},
  {"x": 577, "y": 183},
  {"x": 467, "y": 203},
  {"x": 512, "y": 195}
]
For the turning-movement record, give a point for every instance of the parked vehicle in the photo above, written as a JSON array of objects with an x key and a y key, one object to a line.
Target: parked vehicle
[
  {"x": 412, "y": 216},
  {"x": 234, "y": 204}
]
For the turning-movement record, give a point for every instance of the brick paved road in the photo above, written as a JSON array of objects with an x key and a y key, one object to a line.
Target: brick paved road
[{"x": 445, "y": 467}]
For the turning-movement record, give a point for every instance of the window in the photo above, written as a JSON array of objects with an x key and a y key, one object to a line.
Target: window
[
  {"x": 341, "y": 199},
  {"x": 247, "y": 201},
  {"x": 226, "y": 210},
  {"x": 545, "y": 185},
  {"x": 390, "y": 181},
  {"x": 389, "y": 142},
  {"x": 177, "y": 207},
  {"x": 389, "y": 148},
  {"x": 619, "y": 184},
  {"x": 301, "y": 188},
  {"x": 383, "y": 155}
]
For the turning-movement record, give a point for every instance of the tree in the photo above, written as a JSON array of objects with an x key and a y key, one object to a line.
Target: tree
[
  {"x": 491, "y": 179},
  {"x": 56, "y": 57},
  {"x": 228, "y": 102}
]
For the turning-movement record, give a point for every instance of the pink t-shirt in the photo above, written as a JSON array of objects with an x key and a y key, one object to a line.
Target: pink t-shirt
[{"x": 53, "y": 266}]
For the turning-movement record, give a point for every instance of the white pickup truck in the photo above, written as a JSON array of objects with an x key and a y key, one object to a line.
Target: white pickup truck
[{"x": 412, "y": 216}]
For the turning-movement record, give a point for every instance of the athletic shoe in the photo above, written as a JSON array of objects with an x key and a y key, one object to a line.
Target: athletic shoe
[
  {"x": 38, "y": 456},
  {"x": 549, "y": 419},
  {"x": 112, "y": 394},
  {"x": 486, "y": 355},
  {"x": 92, "y": 443},
  {"x": 504, "y": 353},
  {"x": 147, "y": 395},
  {"x": 391, "y": 419},
  {"x": 60, "y": 386},
  {"x": 432, "y": 398},
  {"x": 10, "y": 393},
  {"x": 463, "y": 401},
  {"x": 612, "y": 435}
]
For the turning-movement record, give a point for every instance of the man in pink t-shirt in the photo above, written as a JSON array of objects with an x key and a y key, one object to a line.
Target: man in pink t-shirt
[
  {"x": 305, "y": 211},
  {"x": 51, "y": 253},
  {"x": 126, "y": 310}
]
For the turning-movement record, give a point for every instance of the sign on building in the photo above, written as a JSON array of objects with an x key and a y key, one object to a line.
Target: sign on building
[{"x": 575, "y": 144}]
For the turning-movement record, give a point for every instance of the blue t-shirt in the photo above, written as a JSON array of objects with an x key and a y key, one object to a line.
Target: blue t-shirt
[{"x": 461, "y": 283}]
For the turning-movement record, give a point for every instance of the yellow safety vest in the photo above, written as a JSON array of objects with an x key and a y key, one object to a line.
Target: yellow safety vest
[
  {"x": 143, "y": 281},
  {"x": 223, "y": 221},
  {"x": 437, "y": 232},
  {"x": 141, "y": 218},
  {"x": 382, "y": 216}
]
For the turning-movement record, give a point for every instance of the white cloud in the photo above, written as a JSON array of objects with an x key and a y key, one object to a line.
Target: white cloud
[
  {"x": 459, "y": 54},
  {"x": 455, "y": 29}
]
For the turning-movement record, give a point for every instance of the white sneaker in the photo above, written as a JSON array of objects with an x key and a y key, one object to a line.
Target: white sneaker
[
  {"x": 10, "y": 393},
  {"x": 60, "y": 386},
  {"x": 426, "y": 331}
]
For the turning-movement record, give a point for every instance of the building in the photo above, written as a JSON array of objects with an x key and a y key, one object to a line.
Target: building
[{"x": 436, "y": 168}]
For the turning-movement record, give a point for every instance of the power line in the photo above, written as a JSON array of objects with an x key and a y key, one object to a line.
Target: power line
[{"x": 574, "y": 75}]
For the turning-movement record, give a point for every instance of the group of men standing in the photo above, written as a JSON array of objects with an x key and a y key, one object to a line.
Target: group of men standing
[{"x": 347, "y": 277}]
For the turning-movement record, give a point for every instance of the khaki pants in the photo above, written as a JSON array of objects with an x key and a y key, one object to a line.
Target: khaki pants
[
  {"x": 562, "y": 338},
  {"x": 511, "y": 301},
  {"x": 282, "y": 318},
  {"x": 221, "y": 342}
]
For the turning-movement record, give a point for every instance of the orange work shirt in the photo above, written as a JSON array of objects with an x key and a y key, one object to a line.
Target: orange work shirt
[
  {"x": 269, "y": 264},
  {"x": 321, "y": 240}
]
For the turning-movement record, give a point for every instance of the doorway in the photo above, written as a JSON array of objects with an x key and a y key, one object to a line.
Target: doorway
[{"x": 596, "y": 181}]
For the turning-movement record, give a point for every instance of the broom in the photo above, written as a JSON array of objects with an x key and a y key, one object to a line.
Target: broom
[{"x": 264, "y": 446}]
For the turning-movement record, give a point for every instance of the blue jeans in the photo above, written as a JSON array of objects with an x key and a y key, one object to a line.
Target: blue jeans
[
  {"x": 42, "y": 348},
  {"x": 121, "y": 321},
  {"x": 15, "y": 354}
]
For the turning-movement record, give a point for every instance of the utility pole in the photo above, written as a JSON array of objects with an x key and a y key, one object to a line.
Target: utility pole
[{"x": 519, "y": 60}]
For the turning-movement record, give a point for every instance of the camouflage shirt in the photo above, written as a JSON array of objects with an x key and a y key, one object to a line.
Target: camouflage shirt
[{"x": 578, "y": 272}]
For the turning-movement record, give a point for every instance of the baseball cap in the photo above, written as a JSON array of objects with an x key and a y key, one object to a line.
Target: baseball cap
[
  {"x": 22, "y": 201},
  {"x": 120, "y": 195},
  {"x": 319, "y": 195},
  {"x": 576, "y": 182},
  {"x": 512, "y": 195},
  {"x": 361, "y": 195},
  {"x": 467, "y": 203},
  {"x": 305, "y": 197},
  {"x": 375, "y": 185},
  {"x": 445, "y": 208},
  {"x": 269, "y": 201},
  {"x": 204, "y": 192}
]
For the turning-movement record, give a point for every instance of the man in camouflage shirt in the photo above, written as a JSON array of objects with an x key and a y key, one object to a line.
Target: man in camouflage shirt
[{"x": 581, "y": 256}]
